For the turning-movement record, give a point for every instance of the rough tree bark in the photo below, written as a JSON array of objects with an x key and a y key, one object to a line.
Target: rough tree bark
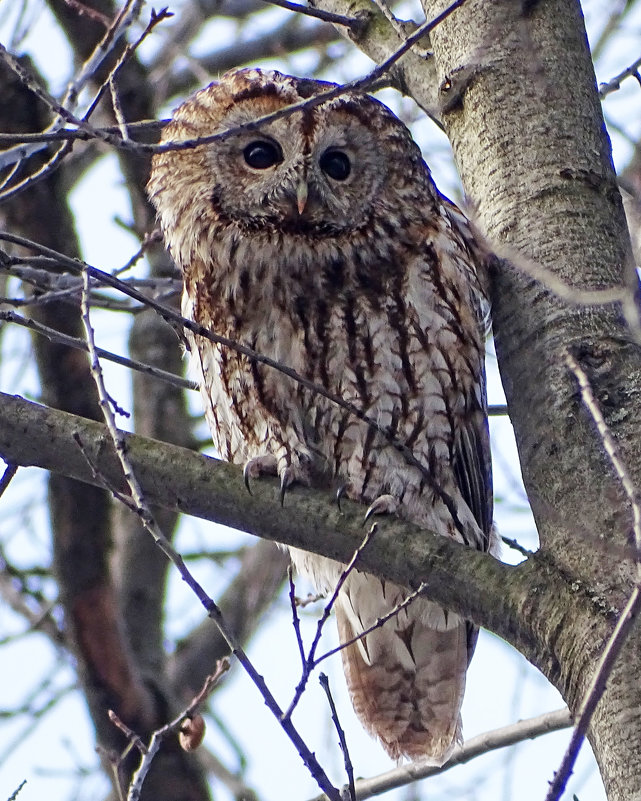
[{"x": 520, "y": 106}]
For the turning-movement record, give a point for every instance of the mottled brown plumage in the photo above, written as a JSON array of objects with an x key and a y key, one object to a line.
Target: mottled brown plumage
[{"x": 320, "y": 240}]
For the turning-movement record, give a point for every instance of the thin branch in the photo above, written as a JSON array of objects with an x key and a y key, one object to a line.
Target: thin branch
[
  {"x": 80, "y": 344},
  {"x": 611, "y": 449},
  {"x": 476, "y": 746},
  {"x": 342, "y": 741},
  {"x": 377, "y": 623},
  {"x": 7, "y": 477},
  {"x": 631, "y": 610},
  {"x": 117, "y": 107},
  {"x": 141, "y": 508},
  {"x": 326, "y": 16},
  {"x": 72, "y": 134},
  {"x": 150, "y": 751},
  {"x": 594, "y": 692},
  {"x": 309, "y": 662},
  {"x": 15, "y": 793},
  {"x": 295, "y": 617},
  {"x": 615, "y": 83}
]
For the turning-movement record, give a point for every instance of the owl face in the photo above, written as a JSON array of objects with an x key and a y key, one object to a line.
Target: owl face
[
  {"x": 313, "y": 171},
  {"x": 323, "y": 170}
]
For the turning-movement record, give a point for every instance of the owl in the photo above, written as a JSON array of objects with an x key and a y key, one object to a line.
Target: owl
[{"x": 320, "y": 240}]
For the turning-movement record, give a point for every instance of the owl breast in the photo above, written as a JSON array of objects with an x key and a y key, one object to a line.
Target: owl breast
[{"x": 375, "y": 330}]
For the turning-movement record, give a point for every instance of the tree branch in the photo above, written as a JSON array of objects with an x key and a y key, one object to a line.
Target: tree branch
[
  {"x": 509, "y": 600},
  {"x": 482, "y": 744}
]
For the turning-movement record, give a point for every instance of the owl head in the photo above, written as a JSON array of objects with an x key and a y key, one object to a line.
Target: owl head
[{"x": 325, "y": 169}]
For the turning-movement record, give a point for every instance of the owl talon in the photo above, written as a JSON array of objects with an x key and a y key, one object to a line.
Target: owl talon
[
  {"x": 247, "y": 477},
  {"x": 383, "y": 505},
  {"x": 257, "y": 467},
  {"x": 340, "y": 492},
  {"x": 286, "y": 480}
]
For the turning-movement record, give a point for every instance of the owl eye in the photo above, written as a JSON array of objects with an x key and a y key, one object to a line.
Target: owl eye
[
  {"x": 262, "y": 154},
  {"x": 336, "y": 164}
]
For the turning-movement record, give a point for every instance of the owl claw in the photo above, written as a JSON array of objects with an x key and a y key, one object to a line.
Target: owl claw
[
  {"x": 257, "y": 467},
  {"x": 383, "y": 505},
  {"x": 340, "y": 492},
  {"x": 286, "y": 480}
]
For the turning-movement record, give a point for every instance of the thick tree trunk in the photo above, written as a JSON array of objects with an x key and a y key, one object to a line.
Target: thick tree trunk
[{"x": 520, "y": 106}]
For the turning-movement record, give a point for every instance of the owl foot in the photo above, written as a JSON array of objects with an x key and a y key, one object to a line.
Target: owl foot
[
  {"x": 265, "y": 465},
  {"x": 383, "y": 505},
  {"x": 297, "y": 472}
]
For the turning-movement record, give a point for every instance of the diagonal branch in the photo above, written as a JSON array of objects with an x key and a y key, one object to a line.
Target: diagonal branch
[
  {"x": 471, "y": 583},
  {"x": 482, "y": 744}
]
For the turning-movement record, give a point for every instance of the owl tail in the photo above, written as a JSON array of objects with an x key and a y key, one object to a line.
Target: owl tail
[{"x": 406, "y": 679}]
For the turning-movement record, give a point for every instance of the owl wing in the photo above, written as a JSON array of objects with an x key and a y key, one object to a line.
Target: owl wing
[
  {"x": 473, "y": 471},
  {"x": 472, "y": 460}
]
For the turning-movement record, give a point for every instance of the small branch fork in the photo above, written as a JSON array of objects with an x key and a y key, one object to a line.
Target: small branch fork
[
  {"x": 138, "y": 505},
  {"x": 15, "y": 155},
  {"x": 362, "y": 84},
  {"x": 631, "y": 610},
  {"x": 310, "y": 661},
  {"x": 181, "y": 723}
]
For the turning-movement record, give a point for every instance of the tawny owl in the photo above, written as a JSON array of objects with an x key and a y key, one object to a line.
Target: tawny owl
[{"x": 320, "y": 240}]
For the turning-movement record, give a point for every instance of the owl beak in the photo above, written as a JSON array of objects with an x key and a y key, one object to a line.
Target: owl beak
[{"x": 301, "y": 196}]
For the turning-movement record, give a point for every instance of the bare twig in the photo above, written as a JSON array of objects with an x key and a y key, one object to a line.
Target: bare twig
[
  {"x": 623, "y": 293},
  {"x": 589, "y": 401},
  {"x": 140, "y": 507},
  {"x": 484, "y": 743},
  {"x": 349, "y": 769},
  {"x": 75, "y": 342},
  {"x": 515, "y": 545},
  {"x": 34, "y": 607},
  {"x": 295, "y": 618},
  {"x": 14, "y": 794},
  {"x": 326, "y": 16},
  {"x": 377, "y": 623},
  {"x": 615, "y": 83},
  {"x": 309, "y": 661},
  {"x": 631, "y": 610},
  {"x": 9, "y": 472},
  {"x": 150, "y": 751},
  {"x": 118, "y": 112},
  {"x": 594, "y": 692},
  {"x": 73, "y": 134},
  {"x": 131, "y": 735}
]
